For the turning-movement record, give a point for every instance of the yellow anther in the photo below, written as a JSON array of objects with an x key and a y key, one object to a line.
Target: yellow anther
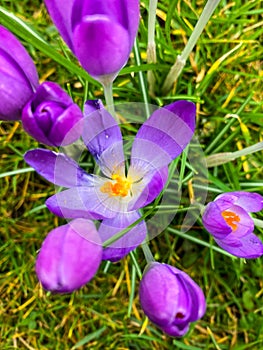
[
  {"x": 230, "y": 218},
  {"x": 120, "y": 188}
]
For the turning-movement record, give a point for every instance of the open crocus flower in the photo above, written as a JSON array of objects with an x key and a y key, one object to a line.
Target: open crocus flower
[
  {"x": 18, "y": 76},
  {"x": 69, "y": 256},
  {"x": 100, "y": 33},
  {"x": 170, "y": 298},
  {"x": 50, "y": 114},
  {"x": 116, "y": 196},
  {"x": 227, "y": 219}
]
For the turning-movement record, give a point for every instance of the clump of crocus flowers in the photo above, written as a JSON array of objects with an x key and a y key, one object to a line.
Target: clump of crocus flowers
[
  {"x": 99, "y": 207},
  {"x": 169, "y": 297}
]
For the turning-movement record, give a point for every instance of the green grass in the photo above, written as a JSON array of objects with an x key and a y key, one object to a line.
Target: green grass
[{"x": 105, "y": 314}]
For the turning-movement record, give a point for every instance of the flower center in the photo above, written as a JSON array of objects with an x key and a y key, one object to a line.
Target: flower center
[
  {"x": 120, "y": 188},
  {"x": 230, "y": 218}
]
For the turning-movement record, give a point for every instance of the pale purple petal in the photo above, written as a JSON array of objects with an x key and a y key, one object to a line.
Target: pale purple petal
[
  {"x": 151, "y": 187},
  {"x": 57, "y": 168},
  {"x": 121, "y": 247},
  {"x": 163, "y": 136},
  {"x": 102, "y": 136},
  {"x": 245, "y": 225},
  {"x": 248, "y": 247},
  {"x": 214, "y": 222},
  {"x": 61, "y": 11},
  {"x": 251, "y": 202},
  {"x": 87, "y": 201},
  {"x": 69, "y": 204}
]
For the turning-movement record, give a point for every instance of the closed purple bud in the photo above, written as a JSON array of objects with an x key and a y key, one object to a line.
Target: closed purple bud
[
  {"x": 51, "y": 117},
  {"x": 69, "y": 257},
  {"x": 170, "y": 298},
  {"x": 18, "y": 76},
  {"x": 100, "y": 33},
  {"x": 228, "y": 219}
]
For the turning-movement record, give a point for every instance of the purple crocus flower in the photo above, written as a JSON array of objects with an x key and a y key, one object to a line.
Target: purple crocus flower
[
  {"x": 115, "y": 198},
  {"x": 69, "y": 256},
  {"x": 100, "y": 33},
  {"x": 51, "y": 117},
  {"x": 47, "y": 111},
  {"x": 227, "y": 219},
  {"x": 170, "y": 298},
  {"x": 18, "y": 76}
]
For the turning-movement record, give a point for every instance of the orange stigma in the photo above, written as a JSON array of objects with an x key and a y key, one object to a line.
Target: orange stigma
[
  {"x": 230, "y": 218},
  {"x": 120, "y": 188}
]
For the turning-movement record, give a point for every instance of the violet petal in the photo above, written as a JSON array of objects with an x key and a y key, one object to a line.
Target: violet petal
[
  {"x": 163, "y": 136},
  {"x": 11, "y": 45},
  {"x": 251, "y": 202},
  {"x": 153, "y": 184},
  {"x": 57, "y": 168},
  {"x": 103, "y": 137},
  {"x": 61, "y": 11},
  {"x": 87, "y": 200},
  {"x": 121, "y": 247},
  {"x": 249, "y": 247},
  {"x": 98, "y": 36}
]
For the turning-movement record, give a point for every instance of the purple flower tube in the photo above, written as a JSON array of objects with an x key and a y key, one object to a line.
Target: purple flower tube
[
  {"x": 100, "y": 33},
  {"x": 18, "y": 76},
  {"x": 227, "y": 219},
  {"x": 170, "y": 298},
  {"x": 51, "y": 117},
  {"x": 69, "y": 257}
]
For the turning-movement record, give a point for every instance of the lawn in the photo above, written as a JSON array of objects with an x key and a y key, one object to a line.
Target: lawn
[{"x": 223, "y": 77}]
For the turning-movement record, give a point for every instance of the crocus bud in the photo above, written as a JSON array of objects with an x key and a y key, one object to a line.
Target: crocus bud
[
  {"x": 69, "y": 257},
  {"x": 100, "y": 33},
  {"x": 18, "y": 76},
  {"x": 228, "y": 219},
  {"x": 170, "y": 298},
  {"x": 51, "y": 117}
]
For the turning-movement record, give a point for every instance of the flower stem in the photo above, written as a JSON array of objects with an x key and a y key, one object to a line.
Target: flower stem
[
  {"x": 141, "y": 78},
  {"x": 147, "y": 253},
  {"x": 176, "y": 69},
  {"x": 225, "y": 157},
  {"x": 151, "y": 47},
  {"x": 258, "y": 222},
  {"x": 109, "y": 98}
]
